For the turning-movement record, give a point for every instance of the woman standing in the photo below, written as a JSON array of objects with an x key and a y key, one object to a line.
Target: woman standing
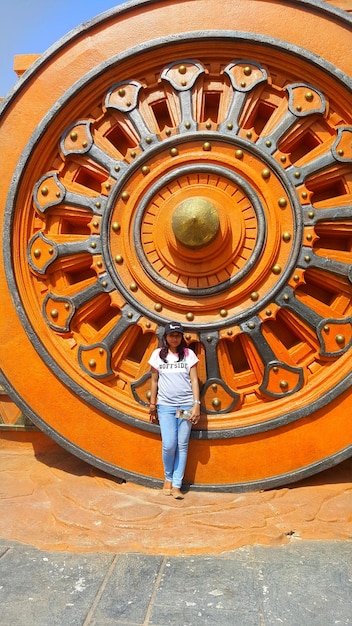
[{"x": 174, "y": 400}]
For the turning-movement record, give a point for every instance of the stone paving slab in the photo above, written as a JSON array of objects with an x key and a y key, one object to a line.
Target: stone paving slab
[
  {"x": 54, "y": 501},
  {"x": 301, "y": 584}
]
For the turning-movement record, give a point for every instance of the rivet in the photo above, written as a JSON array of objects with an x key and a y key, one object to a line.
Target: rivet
[
  {"x": 276, "y": 269},
  {"x": 268, "y": 143},
  {"x": 223, "y": 312},
  {"x": 183, "y": 83},
  {"x": 58, "y": 194},
  {"x": 249, "y": 134},
  {"x": 182, "y": 69},
  {"x": 84, "y": 144},
  {"x": 310, "y": 214},
  {"x": 121, "y": 92},
  {"x": 188, "y": 336},
  {"x": 117, "y": 168},
  {"x": 148, "y": 325},
  {"x": 247, "y": 70},
  {"x": 128, "y": 103},
  {"x": 92, "y": 363},
  {"x": 214, "y": 387},
  {"x": 229, "y": 332},
  {"x": 307, "y": 259},
  {"x": 133, "y": 154},
  {"x": 133, "y": 287},
  {"x": 37, "y": 253},
  {"x": 174, "y": 152},
  {"x": 230, "y": 126},
  {"x": 108, "y": 186},
  {"x": 216, "y": 403},
  {"x": 190, "y": 316},
  {"x": 158, "y": 307},
  {"x": 299, "y": 108},
  {"x": 304, "y": 195},
  {"x": 286, "y": 236},
  {"x": 104, "y": 284},
  {"x": 98, "y": 205},
  {"x": 340, "y": 152},
  {"x": 326, "y": 328},
  {"x": 168, "y": 132},
  {"x": 282, "y": 202},
  {"x": 209, "y": 339},
  {"x": 145, "y": 170},
  {"x": 309, "y": 237},
  {"x": 208, "y": 125},
  {"x": 297, "y": 174},
  {"x": 283, "y": 158},
  {"x": 286, "y": 297},
  {"x": 296, "y": 278},
  {"x": 268, "y": 312},
  {"x": 93, "y": 245},
  {"x": 118, "y": 259},
  {"x": 44, "y": 191},
  {"x": 188, "y": 125},
  {"x": 74, "y": 136},
  {"x": 266, "y": 174},
  {"x": 239, "y": 154},
  {"x": 148, "y": 140},
  {"x": 309, "y": 96},
  {"x": 243, "y": 83},
  {"x": 101, "y": 351},
  {"x": 275, "y": 369},
  {"x": 254, "y": 296},
  {"x": 206, "y": 146},
  {"x": 67, "y": 306},
  {"x": 283, "y": 384},
  {"x": 99, "y": 264},
  {"x": 129, "y": 315},
  {"x": 54, "y": 313},
  {"x": 95, "y": 224},
  {"x": 51, "y": 250},
  {"x": 125, "y": 195},
  {"x": 251, "y": 325},
  {"x": 116, "y": 227},
  {"x": 340, "y": 340},
  {"x": 148, "y": 395}
]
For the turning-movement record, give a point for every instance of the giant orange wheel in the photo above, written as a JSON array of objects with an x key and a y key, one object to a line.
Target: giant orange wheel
[{"x": 203, "y": 174}]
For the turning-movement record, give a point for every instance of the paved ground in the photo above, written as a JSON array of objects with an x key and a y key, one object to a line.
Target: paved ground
[{"x": 79, "y": 547}]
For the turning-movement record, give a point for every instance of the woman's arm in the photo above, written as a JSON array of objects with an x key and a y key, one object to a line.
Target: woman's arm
[
  {"x": 195, "y": 390},
  {"x": 153, "y": 395}
]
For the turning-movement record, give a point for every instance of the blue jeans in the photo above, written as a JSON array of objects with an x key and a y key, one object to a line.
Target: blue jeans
[{"x": 175, "y": 434}]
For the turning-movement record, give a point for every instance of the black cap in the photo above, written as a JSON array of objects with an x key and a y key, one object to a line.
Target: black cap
[{"x": 173, "y": 327}]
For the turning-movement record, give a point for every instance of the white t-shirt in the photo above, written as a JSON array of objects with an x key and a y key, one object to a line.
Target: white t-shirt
[{"x": 174, "y": 384}]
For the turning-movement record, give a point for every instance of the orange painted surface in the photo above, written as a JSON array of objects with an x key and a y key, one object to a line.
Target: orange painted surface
[{"x": 71, "y": 418}]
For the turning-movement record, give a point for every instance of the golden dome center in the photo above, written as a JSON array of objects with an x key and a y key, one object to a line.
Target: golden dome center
[{"x": 195, "y": 222}]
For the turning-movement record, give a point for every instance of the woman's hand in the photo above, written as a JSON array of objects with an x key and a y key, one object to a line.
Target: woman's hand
[
  {"x": 153, "y": 414},
  {"x": 195, "y": 414}
]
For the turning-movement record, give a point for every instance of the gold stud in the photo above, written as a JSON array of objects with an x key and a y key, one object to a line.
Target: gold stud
[
  {"x": 223, "y": 312},
  {"x": 107, "y": 186},
  {"x": 268, "y": 143},
  {"x": 118, "y": 259},
  {"x": 249, "y": 134},
  {"x": 247, "y": 70},
  {"x": 340, "y": 340},
  {"x": 268, "y": 312},
  {"x": 208, "y": 125},
  {"x": 229, "y": 332},
  {"x": 216, "y": 403},
  {"x": 286, "y": 236},
  {"x": 304, "y": 195},
  {"x": 158, "y": 307},
  {"x": 37, "y": 253},
  {"x": 145, "y": 170},
  {"x": 309, "y": 237},
  {"x": 282, "y": 203},
  {"x": 125, "y": 195},
  {"x": 309, "y": 96},
  {"x": 326, "y": 328},
  {"x": 230, "y": 126},
  {"x": 214, "y": 387},
  {"x": 92, "y": 363},
  {"x": 116, "y": 227},
  {"x": 121, "y": 92},
  {"x": 182, "y": 69},
  {"x": 254, "y": 296},
  {"x": 174, "y": 152},
  {"x": 190, "y": 316},
  {"x": 266, "y": 174},
  {"x": 206, "y": 146},
  {"x": 44, "y": 191},
  {"x": 93, "y": 245},
  {"x": 284, "y": 385},
  {"x": 239, "y": 154},
  {"x": 133, "y": 287},
  {"x": 74, "y": 135},
  {"x": 283, "y": 158},
  {"x": 276, "y": 269},
  {"x": 54, "y": 313}
]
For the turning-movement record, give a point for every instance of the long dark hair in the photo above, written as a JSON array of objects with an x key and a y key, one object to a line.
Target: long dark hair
[{"x": 165, "y": 349}]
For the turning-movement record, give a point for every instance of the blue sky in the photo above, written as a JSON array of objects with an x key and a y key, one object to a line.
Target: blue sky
[{"x": 32, "y": 26}]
